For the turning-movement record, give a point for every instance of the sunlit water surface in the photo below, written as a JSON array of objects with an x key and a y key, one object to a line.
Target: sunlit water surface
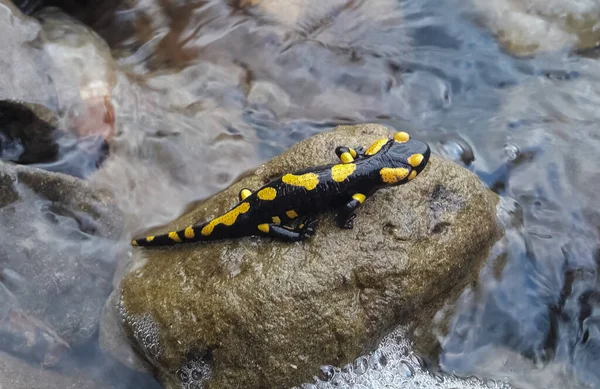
[{"x": 217, "y": 90}]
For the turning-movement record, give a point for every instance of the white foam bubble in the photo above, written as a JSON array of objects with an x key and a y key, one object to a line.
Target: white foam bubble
[{"x": 393, "y": 365}]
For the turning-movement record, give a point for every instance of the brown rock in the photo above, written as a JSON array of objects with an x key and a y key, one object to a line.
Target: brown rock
[{"x": 268, "y": 313}]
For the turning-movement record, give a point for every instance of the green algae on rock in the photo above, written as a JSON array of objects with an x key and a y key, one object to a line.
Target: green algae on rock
[{"x": 268, "y": 313}]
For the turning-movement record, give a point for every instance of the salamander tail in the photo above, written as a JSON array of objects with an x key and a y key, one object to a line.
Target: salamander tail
[{"x": 188, "y": 235}]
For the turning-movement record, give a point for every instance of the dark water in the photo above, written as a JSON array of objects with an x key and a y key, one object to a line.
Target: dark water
[{"x": 208, "y": 89}]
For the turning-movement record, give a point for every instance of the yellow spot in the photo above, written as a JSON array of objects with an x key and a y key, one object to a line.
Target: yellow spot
[
  {"x": 412, "y": 175},
  {"x": 276, "y": 219},
  {"x": 393, "y": 175},
  {"x": 346, "y": 157},
  {"x": 340, "y": 172},
  {"x": 415, "y": 160},
  {"x": 264, "y": 227},
  {"x": 359, "y": 197},
  {"x": 244, "y": 193},
  {"x": 353, "y": 153},
  {"x": 291, "y": 214},
  {"x": 134, "y": 243},
  {"x": 189, "y": 233},
  {"x": 228, "y": 219},
  {"x": 149, "y": 238},
  {"x": 401, "y": 137},
  {"x": 174, "y": 237},
  {"x": 301, "y": 226},
  {"x": 308, "y": 180},
  {"x": 267, "y": 194},
  {"x": 376, "y": 146}
]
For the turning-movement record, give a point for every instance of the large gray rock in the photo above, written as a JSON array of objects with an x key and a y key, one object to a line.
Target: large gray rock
[
  {"x": 58, "y": 251},
  {"x": 268, "y": 313}
]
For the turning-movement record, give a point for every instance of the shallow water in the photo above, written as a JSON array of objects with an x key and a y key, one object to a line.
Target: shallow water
[{"x": 206, "y": 91}]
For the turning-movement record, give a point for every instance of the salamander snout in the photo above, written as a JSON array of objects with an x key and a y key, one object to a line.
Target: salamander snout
[{"x": 412, "y": 152}]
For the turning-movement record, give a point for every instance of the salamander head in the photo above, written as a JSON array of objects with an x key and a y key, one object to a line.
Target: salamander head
[{"x": 405, "y": 159}]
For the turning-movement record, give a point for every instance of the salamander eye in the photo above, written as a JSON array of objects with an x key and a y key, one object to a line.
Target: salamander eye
[{"x": 401, "y": 137}]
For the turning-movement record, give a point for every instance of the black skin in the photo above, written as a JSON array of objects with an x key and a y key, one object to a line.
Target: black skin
[{"x": 328, "y": 195}]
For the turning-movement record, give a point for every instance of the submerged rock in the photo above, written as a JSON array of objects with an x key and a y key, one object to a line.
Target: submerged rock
[
  {"x": 25, "y": 137},
  {"x": 17, "y": 374},
  {"x": 58, "y": 251},
  {"x": 526, "y": 27},
  {"x": 25, "y": 71},
  {"x": 85, "y": 73},
  {"x": 55, "y": 103},
  {"x": 28, "y": 337},
  {"x": 268, "y": 313}
]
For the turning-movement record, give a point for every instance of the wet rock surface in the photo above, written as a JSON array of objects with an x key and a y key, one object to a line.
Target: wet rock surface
[
  {"x": 58, "y": 253},
  {"x": 113, "y": 340},
  {"x": 268, "y": 313}
]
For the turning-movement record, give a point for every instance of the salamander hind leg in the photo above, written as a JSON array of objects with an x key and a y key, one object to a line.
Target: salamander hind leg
[
  {"x": 345, "y": 215},
  {"x": 302, "y": 231}
]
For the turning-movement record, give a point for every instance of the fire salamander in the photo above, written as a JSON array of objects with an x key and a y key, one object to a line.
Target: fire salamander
[{"x": 286, "y": 207}]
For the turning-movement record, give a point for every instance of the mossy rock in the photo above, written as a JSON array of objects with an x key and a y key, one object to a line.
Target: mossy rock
[{"x": 267, "y": 313}]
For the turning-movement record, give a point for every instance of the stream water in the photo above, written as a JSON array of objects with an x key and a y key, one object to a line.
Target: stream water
[{"x": 206, "y": 90}]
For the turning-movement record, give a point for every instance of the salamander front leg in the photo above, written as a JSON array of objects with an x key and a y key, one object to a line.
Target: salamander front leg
[
  {"x": 302, "y": 232},
  {"x": 345, "y": 216},
  {"x": 347, "y": 154}
]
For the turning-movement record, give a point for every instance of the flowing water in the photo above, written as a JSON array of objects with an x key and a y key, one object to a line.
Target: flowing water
[{"x": 207, "y": 89}]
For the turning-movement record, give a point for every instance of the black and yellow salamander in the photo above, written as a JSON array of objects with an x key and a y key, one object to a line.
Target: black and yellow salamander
[{"x": 286, "y": 207}]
